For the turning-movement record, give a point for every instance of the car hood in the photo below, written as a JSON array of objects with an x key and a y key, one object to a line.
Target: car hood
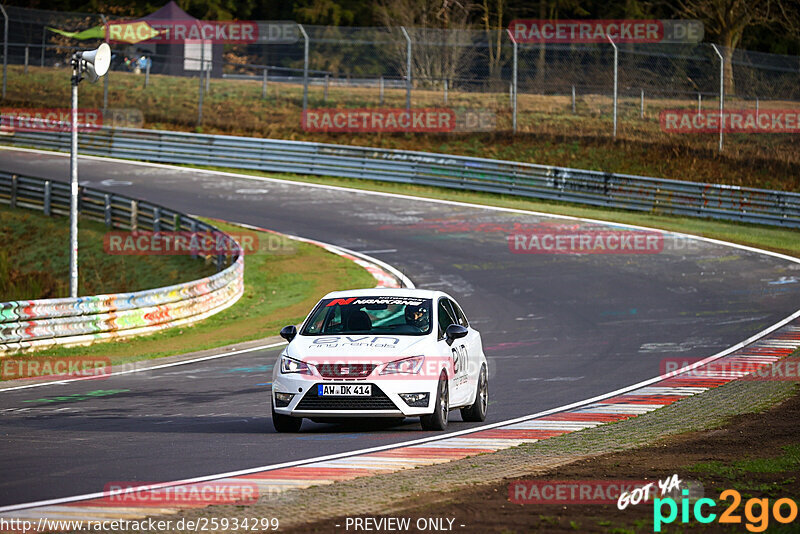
[{"x": 358, "y": 348}]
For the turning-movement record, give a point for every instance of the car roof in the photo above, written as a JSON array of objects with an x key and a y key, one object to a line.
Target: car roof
[{"x": 387, "y": 292}]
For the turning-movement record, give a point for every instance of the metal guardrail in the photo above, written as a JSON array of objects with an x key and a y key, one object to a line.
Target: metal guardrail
[
  {"x": 67, "y": 321},
  {"x": 546, "y": 182}
]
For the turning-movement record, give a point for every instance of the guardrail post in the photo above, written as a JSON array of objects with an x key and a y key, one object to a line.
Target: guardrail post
[
  {"x": 134, "y": 215},
  {"x": 193, "y": 230},
  {"x": 176, "y": 222},
  {"x": 13, "y": 199},
  {"x": 721, "y": 93},
  {"x": 305, "y": 67},
  {"x": 156, "y": 219},
  {"x": 107, "y": 210},
  {"x": 408, "y": 67},
  {"x": 220, "y": 262},
  {"x": 48, "y": 193},
  {"x": 616, "y": 59}
]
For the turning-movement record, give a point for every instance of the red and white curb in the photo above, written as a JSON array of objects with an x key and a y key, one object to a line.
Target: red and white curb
[{"x": 654, "y": 394}]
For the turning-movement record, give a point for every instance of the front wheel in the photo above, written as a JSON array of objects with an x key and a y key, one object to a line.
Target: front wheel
[
  {"x": 438, "y": 419},
  {"x": 477, "y": 412},
  {"x": 286, "y": 423}
]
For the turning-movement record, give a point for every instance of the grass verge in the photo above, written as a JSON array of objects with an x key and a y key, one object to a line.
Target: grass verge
[
  {"x": 280, "y": 288},
  {"x": 34, "y": 260}
]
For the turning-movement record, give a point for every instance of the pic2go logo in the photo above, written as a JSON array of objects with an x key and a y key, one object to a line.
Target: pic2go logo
[{"x": 756, "y": 511}]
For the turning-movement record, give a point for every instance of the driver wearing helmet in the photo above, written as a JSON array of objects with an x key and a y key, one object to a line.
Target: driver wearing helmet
[{"x": 418, "y": 316}]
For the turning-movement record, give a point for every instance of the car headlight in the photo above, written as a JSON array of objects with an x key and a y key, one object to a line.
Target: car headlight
[
  {"x": 290, "y": 365},
  {"x": 410, "y": 366}
]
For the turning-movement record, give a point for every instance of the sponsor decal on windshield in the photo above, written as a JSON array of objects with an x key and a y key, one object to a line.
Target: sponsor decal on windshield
[{"x": 396, "y": 301}]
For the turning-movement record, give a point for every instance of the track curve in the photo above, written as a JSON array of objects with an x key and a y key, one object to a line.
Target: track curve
[{"x": 556, "y": 329}]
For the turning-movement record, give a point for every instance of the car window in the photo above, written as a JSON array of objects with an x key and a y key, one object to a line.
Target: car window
[
  {"x": 462, "y": 319},
  {"x": 370, "y": 315},
  {"x": 445, "y": 316}
]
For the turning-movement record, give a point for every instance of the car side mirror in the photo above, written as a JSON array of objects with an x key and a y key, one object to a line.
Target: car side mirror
[
  {"x": 289, "y": 332},
  {"x": 453, "y": 332}
]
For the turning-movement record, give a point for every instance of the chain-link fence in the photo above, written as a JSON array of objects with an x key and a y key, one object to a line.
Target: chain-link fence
[{"x": 263, "y": 89}]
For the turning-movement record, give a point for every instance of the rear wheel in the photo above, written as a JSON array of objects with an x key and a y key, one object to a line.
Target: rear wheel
[
  {"x": 286, "y": 423},
  {"x": 438, "y": 419},
  {"x": 477, "y": 412}
]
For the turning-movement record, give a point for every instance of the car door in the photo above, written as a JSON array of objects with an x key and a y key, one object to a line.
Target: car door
[
  {"x": 474, "y": 349},
  {"x": 458, "y": 354}
]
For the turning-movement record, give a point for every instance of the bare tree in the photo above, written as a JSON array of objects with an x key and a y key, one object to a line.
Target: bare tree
[
  {"x": 440, "y": 34},
  {"x": 727, "y": 20}
]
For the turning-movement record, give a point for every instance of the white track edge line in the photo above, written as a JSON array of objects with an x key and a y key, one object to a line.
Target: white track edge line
[{"x": 420, "y": 441}]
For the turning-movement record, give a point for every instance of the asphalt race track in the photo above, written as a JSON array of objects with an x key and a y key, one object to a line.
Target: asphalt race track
[{"x": 557, "y": 329}]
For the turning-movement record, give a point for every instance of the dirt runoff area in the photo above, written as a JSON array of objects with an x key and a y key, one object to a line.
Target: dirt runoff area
[{"x": 757, "y": 454}]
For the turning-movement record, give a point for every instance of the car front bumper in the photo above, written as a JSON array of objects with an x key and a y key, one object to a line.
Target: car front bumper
[{"x": 385, "y": 400}]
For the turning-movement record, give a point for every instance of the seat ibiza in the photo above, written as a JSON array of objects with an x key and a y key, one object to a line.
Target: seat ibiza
[{"x": 381, "y": 353}]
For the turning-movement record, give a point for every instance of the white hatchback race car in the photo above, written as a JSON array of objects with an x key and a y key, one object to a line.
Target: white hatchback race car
[{"x": 389, "y": 353}]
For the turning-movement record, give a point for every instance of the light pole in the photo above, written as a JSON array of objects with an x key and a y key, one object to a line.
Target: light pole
[{"x": 93, "y": 64}]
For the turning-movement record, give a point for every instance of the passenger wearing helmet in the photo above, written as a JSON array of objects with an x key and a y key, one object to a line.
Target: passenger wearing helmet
[{"x": 418, "y": 316}]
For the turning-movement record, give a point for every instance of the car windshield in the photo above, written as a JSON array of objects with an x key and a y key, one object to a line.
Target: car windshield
[{"x": 370, "y": 315}]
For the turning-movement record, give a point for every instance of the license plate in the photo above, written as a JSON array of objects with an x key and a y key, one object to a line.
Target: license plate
[{"x": 344, "y": 390}]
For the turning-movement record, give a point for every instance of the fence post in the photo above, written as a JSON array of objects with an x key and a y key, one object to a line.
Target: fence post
[
  {"x": 27, "y": 53},
  {"x": 48, "y": 192},
  {"x": 305, "y": 67},
  {"x": 208, "y": 74},
  {"x": 756, "y": 105},
  {"x": 5, "y": 49},
  {"x": 573, "y": 100},
  {"x": 721, "y": 93},
  {"x": 514, "y": 85},
  {"x": 408, "y": 67},
  {"x": 193, "y": 230},
  {"x": 325, "y": 95},
  {"x": 265, "y": 77},
  {"x": 641, "y": 105},
  {"x": 699, "y": 102},
  {"x": 106, "y": 77},
  {"x": 200, "y": 86},
  {"x": 147, "y": 74},
  {"x": 616, "y": 58},
  {"x": 381, "y": 91},
  {"x": 445, "y": 92},
  {"x": 44, "y": 45}
]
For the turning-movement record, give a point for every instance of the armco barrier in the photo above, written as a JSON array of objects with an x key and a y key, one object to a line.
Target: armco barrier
[
  {"x": 458, "y": 172},
  {"x": 67, "y": 321}
]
